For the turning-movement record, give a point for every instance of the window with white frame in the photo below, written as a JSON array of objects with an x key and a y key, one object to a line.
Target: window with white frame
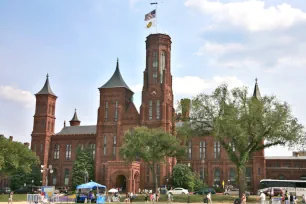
[
  {"x": 202, "y": 149},
  {"x": 114, "y": 145},
  {"x": 68, "y": 151},
  {"x": 157, "y": 110},
  {"x": 150, "y": 109},
  {"x": 56, "y": 151},
  {"x": 105, "y": 145},
  {"x": 217, "y": 148}
]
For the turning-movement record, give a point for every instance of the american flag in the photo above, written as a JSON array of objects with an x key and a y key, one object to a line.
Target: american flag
[{"x": 150, "y": 15}]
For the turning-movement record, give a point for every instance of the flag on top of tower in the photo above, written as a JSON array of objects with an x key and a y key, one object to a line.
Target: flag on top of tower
[{"x": 150, "y": 15}]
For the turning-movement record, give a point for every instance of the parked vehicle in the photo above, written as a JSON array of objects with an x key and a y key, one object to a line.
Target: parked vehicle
[
  {"x": 205, "y": 191},
  {"x": 5, "y": 190},
  {"x": 178, "y": 191},
  {"x": 23, "y": 190},
  {"x": 234, "y": 191}
]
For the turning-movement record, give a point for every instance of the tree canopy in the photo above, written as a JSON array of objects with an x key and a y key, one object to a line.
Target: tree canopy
[
  {"x": 84, "y": 163},
  {"x": 15, "y": 157},
  {"x": 250, "y": 123},
  {"x": 151, "y": 146}
]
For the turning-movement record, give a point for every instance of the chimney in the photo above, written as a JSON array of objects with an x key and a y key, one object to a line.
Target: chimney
[
  {"x": 11, "y": 138},
  {"x": 185, "y": 103}
]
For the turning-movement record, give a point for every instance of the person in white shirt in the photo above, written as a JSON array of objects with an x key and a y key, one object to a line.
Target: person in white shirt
[
  {"x": 262, "y": 197},
  {"x": 209, "y": 197}
]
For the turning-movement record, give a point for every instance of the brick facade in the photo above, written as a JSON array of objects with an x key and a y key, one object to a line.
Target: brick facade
[{"x": 117, "y": 114}]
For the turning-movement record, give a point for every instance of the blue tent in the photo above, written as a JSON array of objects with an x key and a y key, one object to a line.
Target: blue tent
[{"x": 91, "y": 185}]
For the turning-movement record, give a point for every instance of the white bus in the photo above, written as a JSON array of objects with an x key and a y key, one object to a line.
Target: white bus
[{"x": 297, "y": 187}]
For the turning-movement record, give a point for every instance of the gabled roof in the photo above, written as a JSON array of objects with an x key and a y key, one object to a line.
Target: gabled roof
[
  {"x": 75, "y": 117},
  {"x": 78, "y": 130},
  {"x": 46, "y": 88},
  {"x": 116, "y": 80},
  {"x": 256, "y": 93}
]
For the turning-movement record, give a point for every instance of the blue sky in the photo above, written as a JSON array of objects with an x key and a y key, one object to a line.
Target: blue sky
[{"x": 77, "y": 43}]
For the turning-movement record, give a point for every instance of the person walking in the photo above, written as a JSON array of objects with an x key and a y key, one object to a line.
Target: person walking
[
  {"x": 169, "y": 197},
  {"x": 303, "y": 199},
  {"x": 10, "y": 198},
  {"x": 262, "y": 197},
  {"x": 209, "y": 198},
  {"x": 243, "y": 199}
]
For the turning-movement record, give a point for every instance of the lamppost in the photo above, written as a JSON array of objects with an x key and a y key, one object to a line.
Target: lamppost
[
  {"x": 49, "y": 169},
  {"x": 188, "y": 201}
]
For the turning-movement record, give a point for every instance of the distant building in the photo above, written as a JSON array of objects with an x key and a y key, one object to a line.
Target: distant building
[{"x": 116, "y": 114}]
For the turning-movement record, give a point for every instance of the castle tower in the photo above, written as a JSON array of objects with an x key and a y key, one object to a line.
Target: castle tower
[
  {"x": 44, "y": 121},
  {"x": 115, "y": 99},
  {"x": 156, "y": 109},
  {"x": 157, "y": 97},
  {"x": 75, "y": 121}
]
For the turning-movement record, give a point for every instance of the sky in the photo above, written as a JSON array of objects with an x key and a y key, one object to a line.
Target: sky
[{"x": 77, "y": 43}]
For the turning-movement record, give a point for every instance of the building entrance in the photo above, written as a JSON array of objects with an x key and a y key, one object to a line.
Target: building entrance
[{"x": 121, "y": 182}]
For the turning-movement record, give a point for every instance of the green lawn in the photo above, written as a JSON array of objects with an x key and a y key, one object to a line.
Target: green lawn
[{"x": 163, "y": 198}]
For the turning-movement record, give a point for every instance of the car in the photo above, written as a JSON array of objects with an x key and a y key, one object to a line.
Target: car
[
  {"x": 178, "y": 191},
  {"x": 23, "y": 190},
  {"x": 205, "y": 191},
  {"x": 5, "y": 190},
  {"x": 234, "y": 191}
]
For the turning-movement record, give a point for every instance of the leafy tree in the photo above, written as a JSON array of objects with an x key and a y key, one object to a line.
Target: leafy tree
[
  {"x": 183, "y": 177},
  {"x": 84, "y": 162},
  {"x": 19, "y": 178},
  {"x": 198, "y": 183},
  {"x": 15, "y": 157},
  {"x": 234, "y": 118},
  {"x": 152, "y": 146}
]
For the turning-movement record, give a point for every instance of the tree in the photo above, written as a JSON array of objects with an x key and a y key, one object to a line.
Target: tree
[
  {"x": 19, "y": 178},
  {"x": 183, "y": 177},
  {"x": 151, "y": 146},
  {"x": 84, "y": 163},
  {"x": 15, "y": 156},
  {"x": 249, "y": 123}
]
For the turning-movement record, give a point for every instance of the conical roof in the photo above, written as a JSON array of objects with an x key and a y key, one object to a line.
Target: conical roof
[
  {"x": 256, "y": 92},
  {"x": 46, "y": 88},
  {"x": 116, "y": 80},
  {"x": 75, "y": 117}
]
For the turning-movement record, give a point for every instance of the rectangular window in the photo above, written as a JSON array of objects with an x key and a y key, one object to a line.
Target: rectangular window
[
  {"x": 114, "y": 145},
  {"x": 116, "y": 111},
  {"x": 189, "y": 150},
  {"x": 202, "y": 173},
  {"x": 106, "y": 111},
  {"x": 68, "y": 151},
  {"x": 155, "y": 67},
  {"x": 66, "y": 177},
  {"x": 162, "y": 65},
  {"x": 56, "y": 151},
  {"x": 104, "y": 146},
  {"x": 150, "y": 110},
  {"x": 148, "y": 174},
  {"x": 202, "y": 150},
  {"x": 217, "y": 150},
  {"x": 258, "y": 171},
  {"x": 233, "y": 146},
  {"x": 93, "y": 150},
  {"x": 41, "y": 147},
  {"x": 157, "y": 110},
  {"x": 158, "y": 173}
]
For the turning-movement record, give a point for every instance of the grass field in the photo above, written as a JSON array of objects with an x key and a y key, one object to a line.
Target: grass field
[{"x": 163, "y": 198}]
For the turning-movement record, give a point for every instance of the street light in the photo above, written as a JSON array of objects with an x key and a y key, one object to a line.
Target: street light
[{"x": 49, "y": 169}]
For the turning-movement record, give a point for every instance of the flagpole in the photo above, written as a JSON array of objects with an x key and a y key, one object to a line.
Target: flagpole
[{"x": 155, "y": 14}]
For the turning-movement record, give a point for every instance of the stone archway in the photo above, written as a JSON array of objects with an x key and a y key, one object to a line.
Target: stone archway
[
  {"x": 136, "y": 182},
  {"x": 121, "y": 182}
]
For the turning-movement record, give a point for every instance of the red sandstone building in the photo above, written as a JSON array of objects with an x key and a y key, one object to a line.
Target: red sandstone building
[{"x": 116, "y": 114}]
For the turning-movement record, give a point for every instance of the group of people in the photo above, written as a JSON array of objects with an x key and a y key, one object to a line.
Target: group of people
[{"x": 287, "y": 198}]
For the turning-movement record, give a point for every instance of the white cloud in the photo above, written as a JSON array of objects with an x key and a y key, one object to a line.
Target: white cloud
[
  {"x": 193, "y": 85},
  {"x": 219, "y": 49},
  {"x": 22, "y": 97},
  {"x": 252, "y": 15}
]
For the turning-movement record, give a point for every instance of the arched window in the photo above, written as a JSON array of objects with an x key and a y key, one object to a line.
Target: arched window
[
  {"x": 66, "y": 177},
  {"x": 54, "y": 177},
  {"x": 154, "y": 66},
  {"x": 217, "y": 176},
  {"x": 162, "y": 65},
  {"x": 232, "y": 177}
]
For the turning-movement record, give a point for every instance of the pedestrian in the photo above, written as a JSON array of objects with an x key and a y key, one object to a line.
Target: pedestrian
[
  {"x": 209, "y": 198},
  {"x": 303, "y": 199},
  {"x": 262, "y": 197},
  {"x": 131, "y": 197},
  {"x": 10, "y": 198},
  {"x": 169, "y": 197},
  {"x": 291, "y": 198},
  {"x": 243, "y": 199}
]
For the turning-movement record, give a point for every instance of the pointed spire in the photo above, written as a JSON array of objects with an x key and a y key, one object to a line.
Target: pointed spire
[
  {"x": 46, "y": 88},
  {"x": 256, "y": 93},
  {"x": 116, "y": 80},
  {"x": 75, "y": 121}
]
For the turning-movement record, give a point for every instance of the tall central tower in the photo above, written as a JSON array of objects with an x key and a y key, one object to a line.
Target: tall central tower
[{"x": 157, "y": 97}]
